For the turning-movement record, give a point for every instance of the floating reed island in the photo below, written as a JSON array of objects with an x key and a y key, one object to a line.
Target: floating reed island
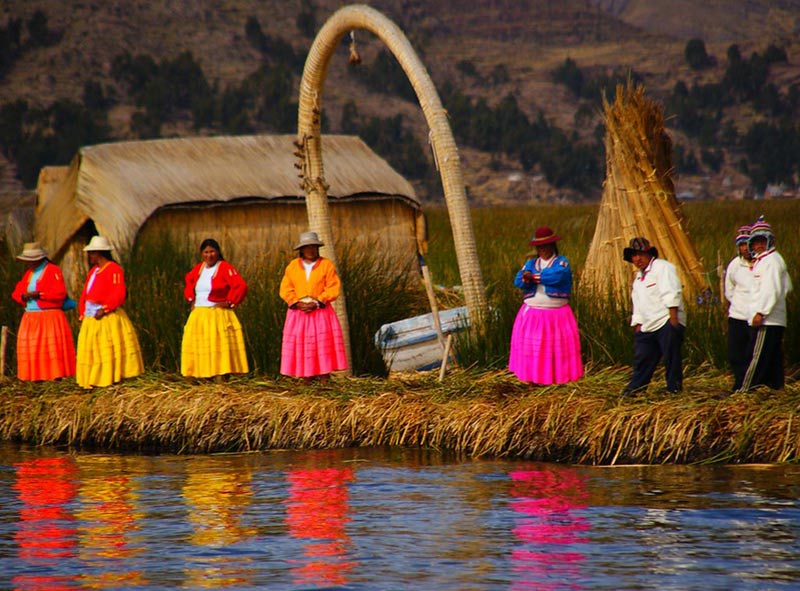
[{"x": 478, "y": 414}]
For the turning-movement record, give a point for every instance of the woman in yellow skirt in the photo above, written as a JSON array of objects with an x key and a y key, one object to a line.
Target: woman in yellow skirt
[
  {"x": 108, "y": 348},
  {"x": 213, "y": 342},
  {"x": 45, "y": 349}
]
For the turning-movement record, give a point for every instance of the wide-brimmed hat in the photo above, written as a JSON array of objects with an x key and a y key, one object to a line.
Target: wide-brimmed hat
[
  {"x": 308, "y": 239},
  {"x": 639, "y": 244},
  {"x": 98, "y": 243},
  {"x": 543, "y": 235},
  {"x": 32, "y": 251}
]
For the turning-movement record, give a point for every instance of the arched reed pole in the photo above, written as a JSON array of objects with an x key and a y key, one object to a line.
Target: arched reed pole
[{"x": 309, "y": 143}]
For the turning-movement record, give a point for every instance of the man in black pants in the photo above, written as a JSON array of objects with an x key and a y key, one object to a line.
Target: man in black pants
[
  {"x": 767, "y": 312},
  {"x": 658, "y": 318}
]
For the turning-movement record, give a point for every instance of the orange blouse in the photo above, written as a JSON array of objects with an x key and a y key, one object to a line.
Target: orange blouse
[{"x": 323, "y": 284}]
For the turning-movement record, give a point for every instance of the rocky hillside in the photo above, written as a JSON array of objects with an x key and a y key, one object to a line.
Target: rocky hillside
[{"x": 479, "y": 49}]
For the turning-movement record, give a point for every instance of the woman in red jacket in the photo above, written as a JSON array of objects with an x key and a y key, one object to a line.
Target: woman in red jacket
[
  {"x": 108, "y": 348},
  {"x": 213, "y": 342},
  {"x": 45, "y": 350}
]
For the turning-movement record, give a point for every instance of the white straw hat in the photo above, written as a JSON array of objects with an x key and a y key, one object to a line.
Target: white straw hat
[
  {"x": 98, "y": 243},
  {"x": 309, "y": 239},
  {"x": 32, "y": 251}
]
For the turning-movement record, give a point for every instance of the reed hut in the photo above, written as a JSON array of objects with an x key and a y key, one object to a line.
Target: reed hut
[
  {"x": 638, "y": 199},
  {"x": 243, "y": 190}
]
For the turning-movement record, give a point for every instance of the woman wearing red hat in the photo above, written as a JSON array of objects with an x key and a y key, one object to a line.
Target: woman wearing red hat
[{"x": 545, "y": 344}]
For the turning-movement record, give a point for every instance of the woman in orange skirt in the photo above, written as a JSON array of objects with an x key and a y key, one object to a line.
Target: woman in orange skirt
[
  {"x": 213, "y": 342},
  {"x": 313, "y": 344},
  {"x": 108, "y": 348},
  {"x": 45, "y": 350}
]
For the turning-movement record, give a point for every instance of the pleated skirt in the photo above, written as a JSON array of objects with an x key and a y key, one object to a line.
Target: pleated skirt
[
  {"x": 108, "y": 350},
  {"x": 213, "y": 344},
  {"x": 545, "y": 346},
  {"x": 312, "y": 344},
  {"x": 45, "y": 349}
]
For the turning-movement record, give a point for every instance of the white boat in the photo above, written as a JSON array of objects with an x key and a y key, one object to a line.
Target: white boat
[{"x": 411, "y": 344}]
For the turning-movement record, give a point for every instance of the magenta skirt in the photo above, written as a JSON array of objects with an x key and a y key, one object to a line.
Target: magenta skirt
[
  {"x": 545, "y": 346},
  {"x": 312, "y": 343}
]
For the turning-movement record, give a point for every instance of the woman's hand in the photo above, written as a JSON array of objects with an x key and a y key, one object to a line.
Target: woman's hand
[
  {"x": 99, "y": 314},
  {"x": 30, "y": 295},
  {"x": 307, "y": 306}
]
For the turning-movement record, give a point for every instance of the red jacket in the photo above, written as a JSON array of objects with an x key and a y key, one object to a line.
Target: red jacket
[
  {"x": 226, "y": 284},
  {"x": 108, "y": 288},
  {"x": 51, "y": 288}
]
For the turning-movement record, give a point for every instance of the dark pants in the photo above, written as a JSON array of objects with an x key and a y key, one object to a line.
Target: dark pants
[
  {"x": 765, "y": 351},
  {"x": 738, "y": 343},
  {"x": 649, "y": 348}
]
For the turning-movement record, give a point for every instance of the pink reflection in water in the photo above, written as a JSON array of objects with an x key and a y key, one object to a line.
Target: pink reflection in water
[
  {"x": 546, "y": 500},
  {"x": 46, "y": 535},
  {"x": 317, "y": 510}
]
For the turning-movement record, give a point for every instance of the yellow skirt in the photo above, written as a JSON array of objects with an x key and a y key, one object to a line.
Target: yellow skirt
[
  {"x": 213, "y": 344},
  {"x": 108, "y": 350}
]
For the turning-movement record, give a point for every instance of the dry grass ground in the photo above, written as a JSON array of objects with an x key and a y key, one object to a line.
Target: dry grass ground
[{"x": 473, "y": 413}]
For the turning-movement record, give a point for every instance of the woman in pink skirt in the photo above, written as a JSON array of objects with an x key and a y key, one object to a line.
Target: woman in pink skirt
[
  {"x": 312, "y": 336},
  {"x": 545, "y": 345}
]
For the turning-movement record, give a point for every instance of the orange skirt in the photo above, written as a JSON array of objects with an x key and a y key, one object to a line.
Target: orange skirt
[{"x": 45, "y": 349}]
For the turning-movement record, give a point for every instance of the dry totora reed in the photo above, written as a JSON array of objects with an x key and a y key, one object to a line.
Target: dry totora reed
[{"x": 477, "y": 414}]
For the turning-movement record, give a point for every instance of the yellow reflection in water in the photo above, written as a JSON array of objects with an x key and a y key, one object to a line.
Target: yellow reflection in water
[
  {"x": 216, "y": 501},
  {"x": 109, "y": 522}
]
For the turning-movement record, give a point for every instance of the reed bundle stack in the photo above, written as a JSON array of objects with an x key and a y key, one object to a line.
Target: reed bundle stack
[{"x": 638, "y": 199}]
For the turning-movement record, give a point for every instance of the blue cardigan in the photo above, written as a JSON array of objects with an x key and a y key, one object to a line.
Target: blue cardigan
[{"x": 557, "y": 278}]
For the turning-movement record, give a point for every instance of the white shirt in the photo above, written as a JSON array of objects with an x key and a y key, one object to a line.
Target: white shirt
[
  {"x": 771, "y": 284},
  {"x": 738, "y": 288},
  {"x": 203, "y": 287},
  {"x": 656, "y": 289}
]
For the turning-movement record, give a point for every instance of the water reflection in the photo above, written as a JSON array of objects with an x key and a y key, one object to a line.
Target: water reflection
[
  {"x": 109, "y": 523},
  {"x": 548, "y": 529},
  {"x": 45, "y": 535},
  {"x": 317, "y": 512},
  {"x": 217, "y": 501}
]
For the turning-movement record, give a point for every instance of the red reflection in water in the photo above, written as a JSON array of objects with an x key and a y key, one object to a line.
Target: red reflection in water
[
  {"x": 317, "y": 510},
  {"x": 546, "y": 499},
  {"x": 45, "y": 534}
]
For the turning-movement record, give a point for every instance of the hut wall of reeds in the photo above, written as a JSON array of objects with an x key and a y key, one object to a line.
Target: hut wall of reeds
[
  {"x": 638, "y": 199},
  {"x": 241, "y": 190}
]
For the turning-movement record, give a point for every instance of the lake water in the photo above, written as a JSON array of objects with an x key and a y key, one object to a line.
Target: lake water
[{"x": 377, "y": 519}]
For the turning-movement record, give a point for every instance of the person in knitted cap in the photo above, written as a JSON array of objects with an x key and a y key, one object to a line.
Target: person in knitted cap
[
  {"x": 738, "y": 280},
  {"x": 658, "y": 318},
  {"x": 766, "y": 311}
]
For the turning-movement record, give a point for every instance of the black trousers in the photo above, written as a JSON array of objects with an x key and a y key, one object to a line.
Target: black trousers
[
  {"x": 765, "y": 351},
  {"x": 738, "y": 343},
  {"x": 651, "y": 347}
]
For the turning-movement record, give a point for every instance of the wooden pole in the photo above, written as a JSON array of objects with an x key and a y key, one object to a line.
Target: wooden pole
[
  {"x": 3, "y": 344},
  {"x": 445, "y": 354},
  {"x": 426, "y": 278}
]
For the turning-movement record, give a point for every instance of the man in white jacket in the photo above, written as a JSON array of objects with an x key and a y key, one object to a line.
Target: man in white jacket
[
  {"x": 658, "y": 318},
  {"x": 738, "y": 280},
  {"x": 767, "y": 311}
]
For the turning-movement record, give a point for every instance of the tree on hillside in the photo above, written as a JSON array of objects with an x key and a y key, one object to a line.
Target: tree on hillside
[{"x": 696, "y": 56}]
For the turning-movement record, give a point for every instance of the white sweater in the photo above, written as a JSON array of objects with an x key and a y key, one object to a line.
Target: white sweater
[
  {"x": 771, "y": 284},
  {"x": 738, "y": 288},
  {"x": 656, "y": 289}
]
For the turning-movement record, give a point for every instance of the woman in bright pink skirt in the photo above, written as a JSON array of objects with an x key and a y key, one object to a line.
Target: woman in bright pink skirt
[
  {"x": 313, "y": 345},
  {"x": 545, "y": 344}
]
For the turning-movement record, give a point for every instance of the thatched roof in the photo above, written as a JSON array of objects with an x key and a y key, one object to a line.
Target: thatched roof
[{"x": 120, "y": 185}]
